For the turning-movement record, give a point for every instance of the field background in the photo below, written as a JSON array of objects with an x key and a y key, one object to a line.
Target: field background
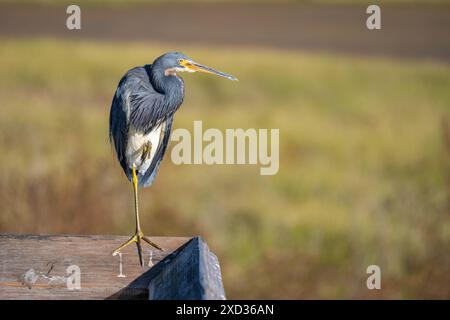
[{"x": 364, "y": 163}]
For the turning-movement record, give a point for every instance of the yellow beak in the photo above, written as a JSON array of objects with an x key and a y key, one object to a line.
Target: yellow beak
[{"x": 194, "y": 67}]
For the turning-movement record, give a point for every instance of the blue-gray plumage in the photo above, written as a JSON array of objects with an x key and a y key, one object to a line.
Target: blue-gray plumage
[
  {"x": 141, "y": 118},
  {"x": 138, "y": 105}
]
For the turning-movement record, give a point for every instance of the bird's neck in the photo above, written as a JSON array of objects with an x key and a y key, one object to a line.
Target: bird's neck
[
  {"x": 171, "y": 88},
  {"x": 165, "y": 84}
]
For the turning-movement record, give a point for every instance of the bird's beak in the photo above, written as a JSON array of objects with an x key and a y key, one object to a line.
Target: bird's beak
[{"x": 194, "y": 66}]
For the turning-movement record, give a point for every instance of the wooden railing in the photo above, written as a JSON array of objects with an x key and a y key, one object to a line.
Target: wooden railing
[{"x": 82, "y": 267}]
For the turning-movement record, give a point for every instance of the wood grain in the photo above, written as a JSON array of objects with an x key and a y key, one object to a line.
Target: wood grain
[{"x": 34, "y": 266}]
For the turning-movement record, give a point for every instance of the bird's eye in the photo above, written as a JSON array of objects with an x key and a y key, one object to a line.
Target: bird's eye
[{"x": 180, "y": 60}]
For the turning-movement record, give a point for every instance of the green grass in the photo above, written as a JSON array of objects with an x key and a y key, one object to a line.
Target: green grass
[{"x": 364, "y": 166}]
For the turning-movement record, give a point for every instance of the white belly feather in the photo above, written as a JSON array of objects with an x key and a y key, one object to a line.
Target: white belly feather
[{"x": 136, "y": 146}]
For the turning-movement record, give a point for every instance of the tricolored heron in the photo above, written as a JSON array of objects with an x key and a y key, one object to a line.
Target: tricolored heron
[{"x": 140, "y": 122}]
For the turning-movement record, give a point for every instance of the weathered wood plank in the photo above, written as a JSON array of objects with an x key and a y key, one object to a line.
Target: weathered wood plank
[
  {"x": 34, "y": 266},
  {"x": 190, "y": 273}
]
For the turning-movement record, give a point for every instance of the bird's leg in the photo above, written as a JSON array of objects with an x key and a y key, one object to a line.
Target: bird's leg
[
  {"x": 146, "y": 152},
  {"x": 136, "y": 205},
  {"x": 139, "y": 234}
]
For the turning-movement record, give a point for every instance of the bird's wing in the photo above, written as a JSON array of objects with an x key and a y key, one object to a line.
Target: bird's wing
[
  {"x": 132, "y": 107},
  {"x": 146, "y": 178},
  {"x": 149, "y": 108},
  {"x": 119, "y": 123},
  {"x": 137, "y": 107}
]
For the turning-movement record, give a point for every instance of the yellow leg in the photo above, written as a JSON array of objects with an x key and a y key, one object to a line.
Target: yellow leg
[{"x": 138, "y": 234}]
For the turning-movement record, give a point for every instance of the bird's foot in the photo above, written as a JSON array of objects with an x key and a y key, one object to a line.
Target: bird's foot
[{"x": 136, "y": 238}]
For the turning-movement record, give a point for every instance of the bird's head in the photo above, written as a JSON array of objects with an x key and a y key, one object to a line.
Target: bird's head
[{"x": 173, "y": 62}]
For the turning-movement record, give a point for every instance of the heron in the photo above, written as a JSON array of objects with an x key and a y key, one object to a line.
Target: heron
[{"x": 140, "y": 122}]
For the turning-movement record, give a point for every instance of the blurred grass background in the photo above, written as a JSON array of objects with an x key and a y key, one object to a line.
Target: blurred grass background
[{"x": 364, "y": 164}]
